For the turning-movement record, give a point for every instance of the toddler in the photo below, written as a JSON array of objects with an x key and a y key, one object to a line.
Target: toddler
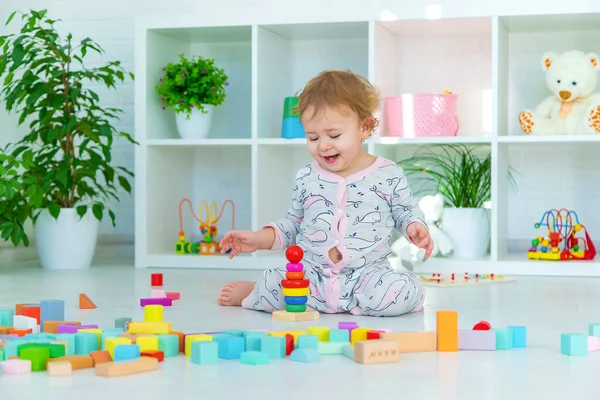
[{"x": 345, "y": 206}]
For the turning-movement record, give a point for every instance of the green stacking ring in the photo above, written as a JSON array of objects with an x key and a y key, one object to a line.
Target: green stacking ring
[{"x": 295, "y": 307}]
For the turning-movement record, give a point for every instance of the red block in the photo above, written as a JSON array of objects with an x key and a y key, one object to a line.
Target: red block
[
  {"x": 295, "y": 284},
  {"x": 173, "y": 295},
  {"x": 31, "y": 312},
  {"x": 158, "y": 354},
  {"x": 156, "y": 279},
  {"x": 482, "y": 326},
  {"x": 289, "y": 344},
  {"x": 372, "y": 335}
]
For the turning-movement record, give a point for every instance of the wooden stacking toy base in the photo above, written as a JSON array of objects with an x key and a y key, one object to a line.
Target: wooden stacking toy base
[
  {"x": 208, "y": 249},
  {"x": 283, "y": 315}
]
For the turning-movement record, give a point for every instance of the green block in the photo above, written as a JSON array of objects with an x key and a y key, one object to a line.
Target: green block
[
  {"x": 169, "y": 344},
  {"x": 504, "y": 338},
  {"x": 55, "y": 350},
  {"x": 254, "y": 358},
  {"x": 332, "y": 347},
  {"x": 2, "y": 355},
  {"x": 295, "y": 307},
  {"x": 38, "y": 357},
  {"x": 574, "y": 344}
]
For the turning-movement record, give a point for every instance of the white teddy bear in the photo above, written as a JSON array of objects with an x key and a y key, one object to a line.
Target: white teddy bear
[
  {"x": 408, "y": 253},
  {"x": 573, "y": 107}
]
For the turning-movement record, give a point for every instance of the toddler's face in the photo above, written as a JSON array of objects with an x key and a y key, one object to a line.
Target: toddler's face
[{"x": 334, "y": 139}]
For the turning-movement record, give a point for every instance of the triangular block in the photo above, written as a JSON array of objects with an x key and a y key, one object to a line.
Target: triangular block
[{"x": 85, "y": 302}]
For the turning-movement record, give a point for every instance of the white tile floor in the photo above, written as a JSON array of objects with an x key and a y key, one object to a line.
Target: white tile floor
[{"x": 547, "y": 307}]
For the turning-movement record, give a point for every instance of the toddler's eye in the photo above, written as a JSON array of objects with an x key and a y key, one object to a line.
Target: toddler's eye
[
  {"x": 574, "y": 83},
  {"x": 334, "y": 136},
  {"x": 312, "y": 139}
]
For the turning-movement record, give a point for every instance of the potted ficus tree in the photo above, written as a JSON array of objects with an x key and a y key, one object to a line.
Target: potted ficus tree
[
  {"x": 192, "y": 88},
  {"x": 463, "y": 175},
  {"x": 59, "y": 176}
]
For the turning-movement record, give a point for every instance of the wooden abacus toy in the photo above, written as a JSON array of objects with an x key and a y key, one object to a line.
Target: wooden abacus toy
[{"x": 295, "y": 289}]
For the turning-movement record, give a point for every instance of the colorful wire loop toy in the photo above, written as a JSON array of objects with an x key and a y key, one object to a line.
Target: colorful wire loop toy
[
  {"x": 208, "y": 228},
  {"x": 562, "y": 242}
]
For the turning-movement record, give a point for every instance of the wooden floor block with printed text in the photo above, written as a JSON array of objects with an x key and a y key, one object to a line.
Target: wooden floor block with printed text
[
  {"x": 283, "y": 315},
  {"x": 376, "y": 351},
  {"x": 412, "y": 342}
]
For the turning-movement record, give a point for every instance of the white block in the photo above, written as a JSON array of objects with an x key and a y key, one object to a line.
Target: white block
[{"x": 23, "y": 322}]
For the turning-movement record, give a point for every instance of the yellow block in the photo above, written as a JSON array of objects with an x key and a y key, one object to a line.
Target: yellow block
[
  {"x": 150, "y": 327},
  {"x": 147, "y": 343},
  {"x": 295, "y": 334},
  {"x": 296, "y": 292},
  {"x": 359, "y": 334},
  {"x": 189, "y": 339},
  {"x": 111, "y": 343},
  {"x": 153, "y": 313},
  {"x": 96, "y": 331},
  {"x": 322, "y": 332}
]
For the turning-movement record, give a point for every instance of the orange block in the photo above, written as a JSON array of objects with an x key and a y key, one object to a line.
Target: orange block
[
  {"x": 78, "y": 361},
  {"x": 19, "y": 307},
  {"x": 52, "y": 326},
  {"x": 447, "y": 330},
  {"x": 85, "y": 302},
  {"x": 19, "y": 332},
  {"x": 181, "y": 344},
  {"x": 31, "y": 312},
  {"x": 128, "y": 367},
  {"x": 101, "y": 356}
]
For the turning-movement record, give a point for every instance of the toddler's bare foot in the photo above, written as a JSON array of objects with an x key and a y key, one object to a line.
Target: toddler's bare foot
[{"x": 233, "y": 293}]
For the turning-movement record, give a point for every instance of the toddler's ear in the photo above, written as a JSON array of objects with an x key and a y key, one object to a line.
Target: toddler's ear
[
  {"x": 547, "y": 59},
  {"x": 367, "y": 127},
  {"x": 593, "y": 57}
]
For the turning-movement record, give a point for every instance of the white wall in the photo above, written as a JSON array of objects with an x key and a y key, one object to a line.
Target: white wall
[{"x": 111, "y": 23}]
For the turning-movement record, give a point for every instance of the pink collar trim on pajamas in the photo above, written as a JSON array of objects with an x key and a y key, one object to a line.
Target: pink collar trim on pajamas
[{"x": 357, "y": 176}]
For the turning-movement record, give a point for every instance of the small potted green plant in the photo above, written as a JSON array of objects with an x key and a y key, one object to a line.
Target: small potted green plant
[
  {"x": 192, "y": 88},
  {"x": 463, "y": 175},
  {"x": 60, "y": 175}
]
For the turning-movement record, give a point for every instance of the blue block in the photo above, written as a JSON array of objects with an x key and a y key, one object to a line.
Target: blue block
[
  {"x": 254, "y": 358},
  {"x": 253, "y": 342},
  {"x": 291, "y": 128},
  {"x": 504, "y": 338},
  {"x": 70, "y": 338},
  {"x": 293, "y": 300},
  {"x": 519, "y": 336},
  {"x": 308, "y": 342},
  {"x": 339, "y": 335},
  {"x": 274, "y": 346},
  {"x": 305, "y": 355},
  {"x": 169, "y": 344},
  {"x": 595, "y": 330},
  {"x": 51, "y": 310},
  {"x": 86, "y": 342},
  {"x": 574, "y": 344},
  {"x": 126, "y": 352},
  {"x": 105, "y": 335},
  {"x": 6, "y": 317},
  {"x": 205, "y": 352},
  {"x": 230, "y": 347}
]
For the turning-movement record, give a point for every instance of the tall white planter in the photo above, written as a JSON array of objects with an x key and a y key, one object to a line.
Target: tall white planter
[
  {"x": 67, "y": 242},
  {"x": 198, "y": 125},
  {"x": 470, "y": 231}
]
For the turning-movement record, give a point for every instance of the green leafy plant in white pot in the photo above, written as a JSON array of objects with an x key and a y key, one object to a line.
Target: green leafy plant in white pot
[
  {"x": 59, "y": 176},
  {"x": 192, "y": 88},
  {"x": 464, "y": 178}
]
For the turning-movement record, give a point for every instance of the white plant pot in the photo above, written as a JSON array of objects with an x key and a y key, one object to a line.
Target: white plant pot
[
  {"x": 67, "y": 242},
  {"x": 198, "y": 125},
  {"x": 470, "y": 231}
]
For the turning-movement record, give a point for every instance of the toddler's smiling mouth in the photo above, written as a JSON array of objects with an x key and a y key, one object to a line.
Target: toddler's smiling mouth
[{"x": 331, "y": 159}]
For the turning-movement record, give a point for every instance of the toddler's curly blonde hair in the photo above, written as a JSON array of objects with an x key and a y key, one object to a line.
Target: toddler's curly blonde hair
[{"x": 335, "y": 88}]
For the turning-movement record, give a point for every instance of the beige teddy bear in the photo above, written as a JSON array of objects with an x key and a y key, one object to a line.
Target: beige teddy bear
[{"x": 574, "y": 106}]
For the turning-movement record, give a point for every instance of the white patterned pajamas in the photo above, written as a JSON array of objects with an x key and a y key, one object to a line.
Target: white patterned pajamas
[{"x": 357, "y": 215}]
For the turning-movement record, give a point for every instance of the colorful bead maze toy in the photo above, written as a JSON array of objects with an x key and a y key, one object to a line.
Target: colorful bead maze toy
[
  {"x": 445, "y": 281},
  {"x": 208, "y": 229},
  {"x": 563, "y": 242},
  {"x": 295, "y": 290}
]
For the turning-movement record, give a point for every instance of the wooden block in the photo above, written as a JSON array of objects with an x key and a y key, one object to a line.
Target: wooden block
[
  {"x": 376, "y": 351},
  {"x": 78, "y": 361},
  {"x": 476, "y": 340},
  {"x": 150, "y": 327},
  {"x": 447, "y": 330},
  {"x": 62, "y": 368},
  {"x": 100, "y": 356},
  {"x": 5, "y": 329},
  {"x": 52, "y": 326},
  {"x": 121, "y": 368},
  {"x": 283, "y": 315},
  {"x": 412, "y": 342},
  {"x": 85, "y": 302}
]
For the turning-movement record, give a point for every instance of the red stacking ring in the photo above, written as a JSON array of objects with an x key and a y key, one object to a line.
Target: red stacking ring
[{"x": 295, "y": 284}]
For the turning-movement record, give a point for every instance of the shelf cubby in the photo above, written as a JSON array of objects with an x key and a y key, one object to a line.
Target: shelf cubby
[
  {"x": 290, "y": 55},
  {"x": 231, "y": 48}
]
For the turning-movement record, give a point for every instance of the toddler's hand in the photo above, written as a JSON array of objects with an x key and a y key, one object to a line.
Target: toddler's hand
[
  {"x": 419, "y": 234},
  {"x": 239, "y": 242}
]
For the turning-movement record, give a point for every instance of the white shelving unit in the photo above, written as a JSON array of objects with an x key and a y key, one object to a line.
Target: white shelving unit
[{"x": 492, "y": 63}]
